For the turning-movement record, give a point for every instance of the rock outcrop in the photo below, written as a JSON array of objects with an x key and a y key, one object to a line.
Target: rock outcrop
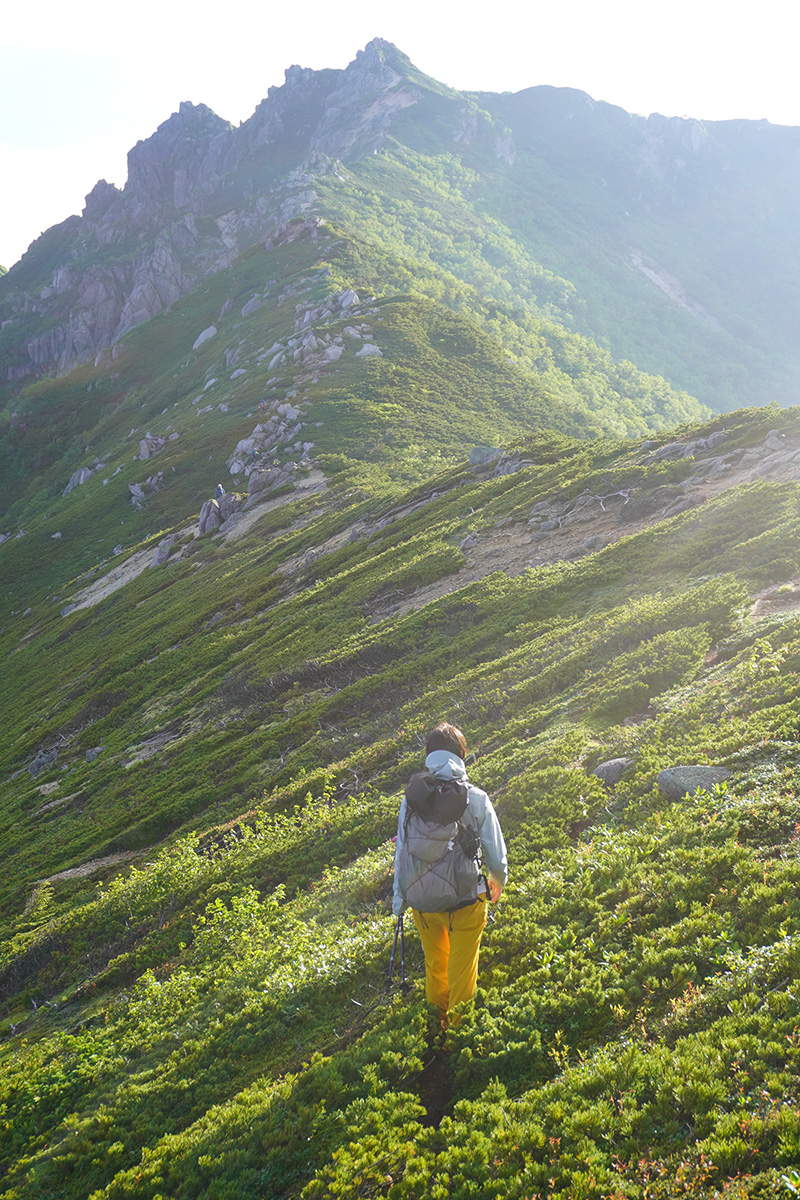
[
  {"x": 79, "y": 477},
  {"x": 611, "y": 771},
  {"x": 183, "y": 174},
  {"x": 43, "y": 760},
  {"x": 140, "y": 491},
  {"x": 216, "y": 512},
  {"x": 675, "y": 782}
]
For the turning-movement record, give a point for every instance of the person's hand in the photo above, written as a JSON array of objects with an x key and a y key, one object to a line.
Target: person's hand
[{"x": 495, "y": 889}]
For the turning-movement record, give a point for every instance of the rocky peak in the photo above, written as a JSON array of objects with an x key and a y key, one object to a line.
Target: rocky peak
[
  {"x": 294, "y": 76},
  {"x": 100, "y": 197},
  {"x": 377, "y": 67},
  {"x": 160, "y": 165},
  {"x": 680, "y": 134},
  {"x": 370, "y": 90}
]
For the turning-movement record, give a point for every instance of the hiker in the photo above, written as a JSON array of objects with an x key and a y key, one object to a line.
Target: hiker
[
  {"x": 220, "y": 492},
  {"x": 450, "y": 937}
]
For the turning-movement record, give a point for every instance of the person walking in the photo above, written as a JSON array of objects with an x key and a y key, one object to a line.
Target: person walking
[{"x": 451, "y": 937}]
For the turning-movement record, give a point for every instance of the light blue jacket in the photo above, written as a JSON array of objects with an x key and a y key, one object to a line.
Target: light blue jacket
[{"x": 480, "y": 815}]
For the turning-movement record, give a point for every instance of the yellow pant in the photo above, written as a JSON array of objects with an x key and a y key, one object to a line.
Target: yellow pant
[{"x": 451, "y": 942}]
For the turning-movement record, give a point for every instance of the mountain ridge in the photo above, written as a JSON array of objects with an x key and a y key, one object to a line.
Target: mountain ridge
[{"x": 242, "y": 184}]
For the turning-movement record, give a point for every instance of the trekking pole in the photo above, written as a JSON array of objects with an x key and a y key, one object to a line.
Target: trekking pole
[
  {"x": 397, "y": 931},
  {"x": 405, "y": 988}
]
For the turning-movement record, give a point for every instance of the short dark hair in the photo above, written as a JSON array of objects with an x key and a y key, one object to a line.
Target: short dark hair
[{"x": 446, "y": 737}]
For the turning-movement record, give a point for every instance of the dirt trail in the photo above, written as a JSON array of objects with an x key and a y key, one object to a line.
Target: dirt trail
[
  {"x": 236, "y": 525},
  {"x": 89, "y": 868},
  {"x": 513, "y": 548}
]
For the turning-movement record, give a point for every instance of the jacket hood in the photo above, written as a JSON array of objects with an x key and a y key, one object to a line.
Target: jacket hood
[{"x": 446, "y": 765}]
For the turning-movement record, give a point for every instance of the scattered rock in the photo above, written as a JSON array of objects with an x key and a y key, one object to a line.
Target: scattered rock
[
  {"x": 92, "y": 754},
  {"x": 369, "y": 350},
  {"x": 675, "y": 782},
  {"x": 270, "y": 478},
  {"x": 204, "y": 336},
  {"x": 55, "y": 536},
  {"x": 163, "y": 551},
  {"x": 510, "y": 463},
  {"x": 43, "y": 760},
  {"x": 216, "y": 512},
  {"x": 210, "y": 518},
  {"x": 151, "y": 445},
  {"x": 469, "y": 542},
  {"x": 611, "y": 771},
  {"x": 140, "y": 491},
  {"x": 77, "y": 479},
  {"x": 252, "y": 305}
]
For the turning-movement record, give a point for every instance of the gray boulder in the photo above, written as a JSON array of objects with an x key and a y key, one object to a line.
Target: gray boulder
[
  {"x": 163, "y": 551},
  {"x": 675, "y": 782},
  {"x": 482, "y": 456},
  {"x": 77, "y": 479},
  {"x": 204, "y": 336},
  {"x": 43, "y": 760},
  {"x": 252, "y": 305},
  {"x": 611, "y": 771},
  {"x": 210, "y": 518},
  {"x": 673, "y": 451},
  {"x": 267, "y": 480}
]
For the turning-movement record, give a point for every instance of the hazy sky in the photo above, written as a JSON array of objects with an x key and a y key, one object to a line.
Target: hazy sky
[{"x": 80, "y": 84}]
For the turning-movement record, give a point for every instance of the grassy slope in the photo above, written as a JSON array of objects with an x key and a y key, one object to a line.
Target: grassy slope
[
  {"x": 200, "y": 1036},
  {"x": 718, "y": 213},
  {"x": 186, "y": 1026}
]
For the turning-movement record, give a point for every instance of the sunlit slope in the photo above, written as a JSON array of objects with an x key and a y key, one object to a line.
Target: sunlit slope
[
  {"x": 672, "y": 243},
  {"x": 209, "y": 1021},
  {"x": 443, "y": 381}
]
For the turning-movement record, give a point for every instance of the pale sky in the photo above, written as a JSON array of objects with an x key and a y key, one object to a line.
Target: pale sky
[{"x": 80, "y": 84}]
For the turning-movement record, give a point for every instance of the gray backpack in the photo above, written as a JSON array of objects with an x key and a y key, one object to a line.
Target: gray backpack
[{"x": 438, "y": 865}]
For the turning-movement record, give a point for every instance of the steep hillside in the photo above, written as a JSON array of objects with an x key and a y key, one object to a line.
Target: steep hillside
[
  {"x": 440, "y": 498},
  {"x": 670, "y": 243},
  {"x": 201, "y": 780}
]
